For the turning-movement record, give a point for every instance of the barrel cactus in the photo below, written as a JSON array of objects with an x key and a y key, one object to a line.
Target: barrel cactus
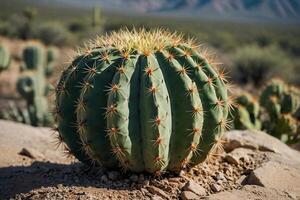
[
  {"x": 247, "y": 113},
  {"x": 4, "y": 58},
  {"x": 142, "y": 101},
  {"x": 282, "y": 103}
]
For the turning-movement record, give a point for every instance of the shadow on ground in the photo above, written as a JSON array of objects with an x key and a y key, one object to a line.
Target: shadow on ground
[{"x": 22, "y": 179}]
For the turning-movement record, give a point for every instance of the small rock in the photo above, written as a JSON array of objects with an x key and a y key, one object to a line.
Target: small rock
[
  {"x": 241, "y": 180},
  {"x": 146, "y": 183},
  {"x": 155, "y": 197},
  {"x": 104, "y": 178},
  {"x": 141, "y": 178},
  {"x": 30, "y": 153},
  {"x": 113, "y": 175},
  {"x": 187, "y": 195},
  {"x": 216, "y": 187},
  {"x": 181, "y": 173},
  {"x": 220, "y": 176},
  {"x": 174, "y": 180},
  {"x": 144, "y": 191},
  {"x": 155, "y": 190},
  {"x": 238, "y": 154},
  {"x": 134, "y": 178},
  {"x": 192, "y": 186}
]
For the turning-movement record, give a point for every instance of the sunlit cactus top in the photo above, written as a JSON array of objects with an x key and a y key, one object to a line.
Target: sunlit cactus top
[{"x": 142, "y": 101}]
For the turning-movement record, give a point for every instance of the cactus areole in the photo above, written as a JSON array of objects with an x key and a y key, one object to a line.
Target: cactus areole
[{"x": 142, "y": 101}]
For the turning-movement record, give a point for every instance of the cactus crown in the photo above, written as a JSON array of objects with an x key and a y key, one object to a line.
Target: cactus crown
[{"x": 141, "y": 40}]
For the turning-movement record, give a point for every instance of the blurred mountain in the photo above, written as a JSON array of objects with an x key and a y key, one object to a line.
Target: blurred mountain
[{"x": 224, "y": 9}]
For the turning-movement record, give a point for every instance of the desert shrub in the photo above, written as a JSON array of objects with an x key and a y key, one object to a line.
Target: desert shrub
[
  {"x": 264, "y": 39},
  {"x": 53, "y": 34},
  {"x": 253, "y": 64},
  {"x": 223, "y": 40},
  {"x": 77, "y": 26},
  {"x": 17, "y": 26},
  {"x": 291, "y": 45}
]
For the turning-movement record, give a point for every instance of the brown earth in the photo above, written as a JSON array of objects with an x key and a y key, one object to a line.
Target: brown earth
[{"x": 254, "y": 165}]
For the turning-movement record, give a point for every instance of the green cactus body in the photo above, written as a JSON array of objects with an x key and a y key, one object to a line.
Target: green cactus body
[
  {"x": 246, "y": 114},
  {"x": 34, "y": 56},
  {"x": 146, "y": 101},
  {"x": 51, "y": 57},
  {"x": 32, "y": 85},
  {"x": 282, "y": 104},
  {"x": 4, "y": 58},
  {"x": 15, "y": 113}
]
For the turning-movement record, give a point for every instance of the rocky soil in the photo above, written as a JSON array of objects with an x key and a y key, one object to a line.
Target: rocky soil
[{"x": 253, "y": 165}]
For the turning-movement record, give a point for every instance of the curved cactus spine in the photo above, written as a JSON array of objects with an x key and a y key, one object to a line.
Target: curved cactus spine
[
  {"x": 148, "y": 101},
  {"x": 4, "y": 58},
  {"x": 246, "y": 114}
]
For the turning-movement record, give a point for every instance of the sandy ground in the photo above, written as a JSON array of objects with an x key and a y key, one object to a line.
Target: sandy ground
[{"x": 253, "y": 166}]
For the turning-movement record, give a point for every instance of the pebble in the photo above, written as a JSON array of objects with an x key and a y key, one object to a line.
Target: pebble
[
  {"x": 241, "y": 180},
  {"x": 220, "y": 176},
  {"x": 187, "y": 195},
  {"x": 146, "y": 183},
  {"x": 104, "y": 178},
  {"x": 134, "y": 178},
  {"x": 155, "y": 190},
  {"x": 141, "y": 178},
  {"x": 155, "y": 197},
  {"x": 216, "y": 187},
  {"x": 113, "y": 175},
  {"x": 192, "y": 186},
  {"x": 30, "y": 153}
]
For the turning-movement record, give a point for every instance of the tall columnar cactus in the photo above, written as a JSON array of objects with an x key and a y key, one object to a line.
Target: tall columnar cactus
[
  {"x": 32, "y": 85},
  {"x": 4, "y": 58},
  {"x": 146, "y": 101},
  {"x": 96, "y": 18},
  {"x": 247, "y": 113},
  {"x": 282, "y": 104}
]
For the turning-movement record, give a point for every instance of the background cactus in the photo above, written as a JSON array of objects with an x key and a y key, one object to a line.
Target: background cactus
[
  {"x": 247, "y": 113},
  {"x": 4, "y": 58},
  {"x": 52, "y": 54},
  {"x": 137, "y": 98},
  {"x": 34, "y": 56},
  {"x": 282, "y": 103},
  {"x": 14, "y": 113},
  {"x": 96, "y": 18},
  {"x": 32, "y": 85}
]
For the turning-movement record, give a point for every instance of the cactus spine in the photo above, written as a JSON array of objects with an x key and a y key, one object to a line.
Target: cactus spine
[
  {"x": 282, "y": 104},
  {"x": 137, "y": 99},
  {"x": 247, "y": 113},
  {"x": 4, "y": 58}
]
